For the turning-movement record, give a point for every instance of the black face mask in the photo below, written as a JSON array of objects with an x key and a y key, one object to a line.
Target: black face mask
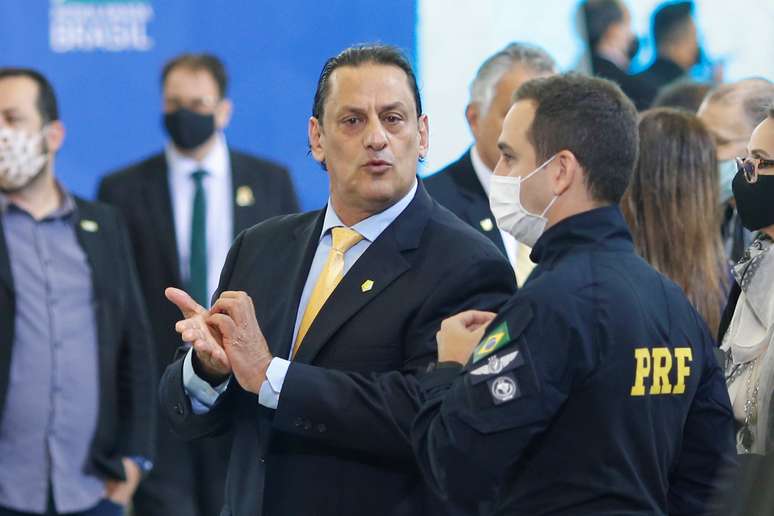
[
  {"x": 633, "y": 48},
  {"x": 754, "y": 202},
  {"x": 189, "y": 129}
]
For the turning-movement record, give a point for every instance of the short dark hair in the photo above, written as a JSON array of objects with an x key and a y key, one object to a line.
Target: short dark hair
[
  {"x": 46, "y": 103},
  {"x": 593, "y": 119},
  {"x": 685, "y": 95},
  {"x": 359, "y": 55},
  {"x": 669, "y": 21},
  {"x": 203, "y": 61},
  {"x": 598, "y": 16}
]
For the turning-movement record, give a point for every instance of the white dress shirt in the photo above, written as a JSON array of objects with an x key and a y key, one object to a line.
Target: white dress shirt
[{"x": 220, "y": 212}]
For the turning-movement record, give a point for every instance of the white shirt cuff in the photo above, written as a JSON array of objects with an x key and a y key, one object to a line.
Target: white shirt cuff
[
  {"x": 269, "y": 394},
  {"x": 203, "y": 395}
]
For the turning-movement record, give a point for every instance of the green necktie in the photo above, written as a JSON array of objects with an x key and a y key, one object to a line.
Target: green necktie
[{"x": 197, "y": 278}]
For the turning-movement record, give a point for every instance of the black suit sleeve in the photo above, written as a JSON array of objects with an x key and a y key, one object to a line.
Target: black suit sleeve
[
  {"x": 372, "y": 413},
  {"x": 176, "y": 404},
  {"x": 137, "y": 373}
]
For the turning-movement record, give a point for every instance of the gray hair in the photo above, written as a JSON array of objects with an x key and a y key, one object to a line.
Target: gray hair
[
  {"x": 497, "y": 65},
  {"x": 755, "y": 96}
]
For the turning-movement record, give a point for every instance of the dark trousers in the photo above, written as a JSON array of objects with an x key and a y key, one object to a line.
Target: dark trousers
[{"x": 104, "y": 508}]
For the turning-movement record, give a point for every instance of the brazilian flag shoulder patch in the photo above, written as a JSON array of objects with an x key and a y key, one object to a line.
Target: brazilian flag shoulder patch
[{"x": 496, "y": 339}]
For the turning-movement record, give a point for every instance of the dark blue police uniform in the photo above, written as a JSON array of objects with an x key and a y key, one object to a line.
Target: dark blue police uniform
[{"x": 594, "y": 391}]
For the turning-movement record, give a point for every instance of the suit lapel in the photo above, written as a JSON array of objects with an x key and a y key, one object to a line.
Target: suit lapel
[
  {"x": 381, "y": 264},
  {"x": 247, "y": 212},
  {"x": 6, "y": 280},
  {"x": 478, "y": 213},
  {"x": 305, "y": 241},
  {"x": 92, "y": 238},
  {"x": 7, "y": 316},
  {"x": 159, "y": 201}
]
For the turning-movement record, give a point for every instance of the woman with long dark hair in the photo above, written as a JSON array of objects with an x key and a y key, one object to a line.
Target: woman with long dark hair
[{"x": 673, "y": 209}]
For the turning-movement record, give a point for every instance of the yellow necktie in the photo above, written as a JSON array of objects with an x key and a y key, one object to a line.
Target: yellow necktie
[{"x": 330, "y": 276}]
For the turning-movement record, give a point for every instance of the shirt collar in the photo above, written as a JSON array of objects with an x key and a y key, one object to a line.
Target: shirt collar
[
  {"x": 374, "y": 225},
  {"x": 65, "y": 209},
  {"x": 215, "y": 163},
  {"x": 482, "y": 171}
]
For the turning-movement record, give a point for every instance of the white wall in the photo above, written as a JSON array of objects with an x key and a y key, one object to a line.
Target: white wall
[{"x": 455, "y": 36}]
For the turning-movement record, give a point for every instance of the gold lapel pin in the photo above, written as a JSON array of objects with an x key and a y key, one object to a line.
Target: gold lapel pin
[
  {"x": 367, "y": 285},
  {"x": 89, "y": 225},
  {"x": 486, "y": 224},
  {"x": 244, "y": 196}
]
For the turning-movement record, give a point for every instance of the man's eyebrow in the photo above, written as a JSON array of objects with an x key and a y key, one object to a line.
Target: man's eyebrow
[
  {"x": 504, "y": 147},
  {"x": 759, "y": 153}
]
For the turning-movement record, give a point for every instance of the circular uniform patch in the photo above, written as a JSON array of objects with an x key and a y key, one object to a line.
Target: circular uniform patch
[{"x": 503, "y": 389}]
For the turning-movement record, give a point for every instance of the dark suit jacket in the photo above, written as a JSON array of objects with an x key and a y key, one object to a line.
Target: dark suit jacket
[
  {"x": 458, "y": 189},
  {"x": 662, "y": 72},
  {"x": 635, "y": 87},
  {"x": 127, "y": 415},
  {"x": 141, "y": 193},
  {"x": 338, "y": 443}
]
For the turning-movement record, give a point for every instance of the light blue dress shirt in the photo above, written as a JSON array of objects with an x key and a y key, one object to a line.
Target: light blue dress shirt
[{"x": 203, "y": 395}]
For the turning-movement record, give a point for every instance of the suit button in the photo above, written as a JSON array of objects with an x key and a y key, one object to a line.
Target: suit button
[
  {"x": 298, "y": 423},
  {"x": 178, "y": 410},
  {"x": 321, "y": 428},
  {"x": 307, "y": 425}
]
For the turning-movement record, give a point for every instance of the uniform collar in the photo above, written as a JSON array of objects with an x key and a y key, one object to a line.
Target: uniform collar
[{"x": 604, "y": 227}]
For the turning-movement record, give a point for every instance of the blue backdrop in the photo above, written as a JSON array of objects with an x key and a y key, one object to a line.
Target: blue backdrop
[{"x": 104, "y": 58}]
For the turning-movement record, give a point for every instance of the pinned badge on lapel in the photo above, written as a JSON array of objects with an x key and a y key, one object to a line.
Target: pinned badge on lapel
[
  {"x": 487, "y": 224},
  {"x": 89, "y": 225},
  {"x": 367, "y": 285},
  {"x": 244, "y": 196}
]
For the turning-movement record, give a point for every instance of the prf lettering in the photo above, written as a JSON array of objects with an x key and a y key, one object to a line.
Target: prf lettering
[{"x": 655, "y": 364}]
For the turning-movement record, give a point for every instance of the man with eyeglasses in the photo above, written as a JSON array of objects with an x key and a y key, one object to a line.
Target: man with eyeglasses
[{"x": 183, "y": 207}]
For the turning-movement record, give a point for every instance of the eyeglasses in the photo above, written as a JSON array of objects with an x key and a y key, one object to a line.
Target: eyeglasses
[{"x": 750, "y": 167}]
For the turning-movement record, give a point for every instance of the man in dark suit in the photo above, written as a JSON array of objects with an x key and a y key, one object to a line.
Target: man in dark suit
[
  {"x": 463, "y": 186},
  {"x": 184, "y": 207},
  {"x": 677, "y": 48},
  {"x": 612, "y": 45},
  {"x": 77, "y": 372},
  {"x": 321, "y": 396}
]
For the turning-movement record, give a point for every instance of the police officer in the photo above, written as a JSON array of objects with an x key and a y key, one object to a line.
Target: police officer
[{"x": 595, "y": 390}]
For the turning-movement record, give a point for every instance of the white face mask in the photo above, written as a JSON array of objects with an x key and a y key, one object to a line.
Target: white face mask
[
  {"x": 21, "y": 157},
  {"x": 511, "y": 216}
]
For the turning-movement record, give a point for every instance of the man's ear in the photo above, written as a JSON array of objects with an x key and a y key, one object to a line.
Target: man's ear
[
  {"x": 54, "y": 135},
  {"x": 565, "y": 173},
  {"x": 223, "y": 113},
  {"x": 473, "y": 115},
  {"x": 423, "y": 125},
  {"x": 316, "y": 139}
]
